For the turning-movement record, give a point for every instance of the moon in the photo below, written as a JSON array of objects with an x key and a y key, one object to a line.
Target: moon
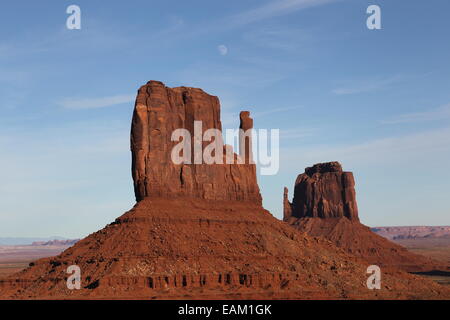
[{"x": 223, "y": 50}]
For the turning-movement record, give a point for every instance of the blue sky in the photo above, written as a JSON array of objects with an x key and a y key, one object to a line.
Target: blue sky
[{"x": 378, "y": 101}]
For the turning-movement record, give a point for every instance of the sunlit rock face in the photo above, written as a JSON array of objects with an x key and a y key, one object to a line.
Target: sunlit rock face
[
  {"x": 159, "y": 111},
  {"x": 324, "y": 191}
]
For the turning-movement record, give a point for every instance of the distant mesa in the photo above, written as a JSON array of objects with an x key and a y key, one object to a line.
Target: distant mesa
[
  {"x": 324, "y": 205},
  {"x": 55, "y": 243},
  {"x": 414, "y": 232},
  {"x": 13, "y": 241}
]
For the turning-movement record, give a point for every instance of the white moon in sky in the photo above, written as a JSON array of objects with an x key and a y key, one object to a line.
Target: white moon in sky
[{"x": 223, "y": 50}]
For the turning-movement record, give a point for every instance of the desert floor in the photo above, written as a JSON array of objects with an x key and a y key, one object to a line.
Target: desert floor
[
  {"x": 16, "y": 258},
  {"x": 436, "y": 248}
]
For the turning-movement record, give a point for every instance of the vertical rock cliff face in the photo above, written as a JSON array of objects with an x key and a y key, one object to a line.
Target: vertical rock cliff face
[
  {"x": 159, "y": 111},
  {"x": 324, "y": 191},
  {"x": 287, "y": 206},
  {"x": 245, "y": 139}
]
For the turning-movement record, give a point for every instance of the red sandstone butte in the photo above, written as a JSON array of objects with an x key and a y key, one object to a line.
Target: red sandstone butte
[
  {"x": 324, "y": 205},
  {"x": 160, "y": 110},
  {"x": 325, "y": 191},
  {"x": 200, "y": 232}
]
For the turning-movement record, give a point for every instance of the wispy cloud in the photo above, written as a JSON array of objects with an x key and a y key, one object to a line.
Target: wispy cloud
[
  {"x": 273, "y": 9},
  {"x": 297, "y": 133},
  {"x": 213, "y": 76},
  {"x": 417, "y": 148},
  {"x": 92, "y": 103},
  {"x": 278, "y": 38},
  {"x": 368, "y": 85},
  {"x": 272, "y": 111},
  {"x": 97, "y": 37},
  {"x": 442, "y": 112},
  {"x": 230, "y": 118}
]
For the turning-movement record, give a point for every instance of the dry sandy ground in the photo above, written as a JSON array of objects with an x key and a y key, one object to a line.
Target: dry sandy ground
[
  {"x": 16, "y": 258},
  {"x": 436, "y": 248}
]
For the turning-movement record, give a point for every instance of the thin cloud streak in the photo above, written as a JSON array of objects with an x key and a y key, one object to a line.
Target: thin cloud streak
[
  {"x": 422, "y": 147},
  {"x": 370, "y": 86},
  {"x": 440, "y": 113},
  {"x": 273, "y": 9},
  {"x": 297, "y": 133},
  {"x": 277, "y": 38},
  {"x": 93, "y": 103},
  {"x": 272, "y": 111},
  {"x": 269, "y": 10}
]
